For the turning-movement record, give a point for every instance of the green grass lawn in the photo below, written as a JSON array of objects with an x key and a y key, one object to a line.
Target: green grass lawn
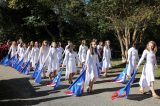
[{"x": 118, "y": 61}]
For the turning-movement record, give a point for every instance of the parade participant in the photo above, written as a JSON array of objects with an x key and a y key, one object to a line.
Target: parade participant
[
  {"x": 53, "y": 66},
  {"x": 82, "y": 51},
  {"x": 106, "y": 57},
  {"x": 70, "y": 60},
  {"x": 132, "y": 60},
  {"x": 34, "y": 55},
  {"x": 147, "y": 78},
  {"x": 91, "y": 66},
  {"x": 100, "y": 49},
  {"x": 42, "y": 55},
  {"x": 13, "y": 49},
  {"x": 60, "y": 52}
]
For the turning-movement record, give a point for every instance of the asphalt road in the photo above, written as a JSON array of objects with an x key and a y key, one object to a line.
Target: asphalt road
[{"x": 18, "y": 90}]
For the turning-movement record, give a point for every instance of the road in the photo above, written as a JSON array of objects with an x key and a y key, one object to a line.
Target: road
[{"x": 18, "y": 90}]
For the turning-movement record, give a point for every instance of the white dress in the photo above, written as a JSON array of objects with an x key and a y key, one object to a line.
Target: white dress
[
  {"x": 34, "y": 56},
  {"x": 13, "y": 51},
  {"x": 148, "y": 70},
  {"x": 106, "y": 58},
  {"x": 21, "y": 53},
  {"x": 70, "y": 61},
  {"x": 60, "y": 53},
  {"x": 91, "y": 63},
  {"x": 27, "y": 55},
  {"x": 82, "y": 53},
  {"x": 53, "y": 60},
  {"x": 42, "y": 56},
  {"x": 133, "y": 58}
]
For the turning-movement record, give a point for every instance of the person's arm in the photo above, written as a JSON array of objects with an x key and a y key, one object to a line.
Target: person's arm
[
  {"x": 142, "y": 58},
  {"x": 129, "y": 55},
  {"x": 87, "y": 58},
  {"x": 65, "y": 61},
  {"x": 137, "y": 56},
  {"x": 10, "y": 49},
  {"x": 47, "y": 56}
]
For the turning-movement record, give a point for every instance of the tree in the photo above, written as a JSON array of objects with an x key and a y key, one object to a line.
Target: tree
[{"x": 127, "y": 18}]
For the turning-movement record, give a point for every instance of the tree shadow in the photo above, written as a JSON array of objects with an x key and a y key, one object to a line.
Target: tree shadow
[{"x": 139, "y": 97}]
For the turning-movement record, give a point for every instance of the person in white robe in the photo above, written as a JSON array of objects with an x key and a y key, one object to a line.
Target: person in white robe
[
  {"x": 82, "y": 51},
  {"x": 106, "y": 58},
  {"x": 132, "y": 60},
  {"x": 13, "y": 49},
  {"x": 60, "y": 52},
  {"x": 147, "y": 78},
  {"x": 91, "y": 64},
  {"x": 70, "y": 61},
  {"x": 53, "y": 66}
]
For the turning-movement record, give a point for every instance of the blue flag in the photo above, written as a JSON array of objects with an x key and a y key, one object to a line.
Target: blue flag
[
  {"x": 56, "y": 81},
  {"x": 10, "y": 61},
  {"x": 35, "y": 72},
  {"x": 25, "y": 70},
  {"x": 78, "y": 86},
  {"x": 122, "y": 76},
  {"x": 5, "y": 59},
  {"x": 19, "y": 66},
  {"x": 38, "y": 77},
  {"x": 124, "y": 92}
]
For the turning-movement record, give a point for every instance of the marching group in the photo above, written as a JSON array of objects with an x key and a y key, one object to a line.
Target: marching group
[{"x": 52, "y": 57}]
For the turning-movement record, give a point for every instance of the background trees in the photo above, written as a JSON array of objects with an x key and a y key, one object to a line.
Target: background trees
[{"x": 125, "y": 21}]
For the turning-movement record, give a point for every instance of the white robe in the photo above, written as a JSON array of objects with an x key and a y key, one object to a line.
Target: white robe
[
  {"x": 21, "y": 53},
  {"x": 34, "y": 56},
  {"x": 42, "y": 55},
  {"x": 60, "y": 53},
  {"x": 133, "y": 58},
  {"x": 53, "y": 60},
  {"x": 13, "y": 51},
  {"x": 91, "y": 64},
  {"x": 82, "y": 53},
  {"x": 106, "y": 58},
  {"x": 148, "y": 70},
  {"x": 70, "y": 61}
]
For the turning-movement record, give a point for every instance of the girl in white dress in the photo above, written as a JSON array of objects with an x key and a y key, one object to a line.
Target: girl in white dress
[
  {"x": 20, "y": 52},
  {"x": 53, "y": 66},
  {"x": 106, "y": 57},
  {"x": 60, "y": 53},
  {"x": 34, "y": 55},
  {"x": 83, "y": 51},
  {"x": 70, "y": 60},
  {"x": 42, "y": 55},
  {"x": 13, "y": 49},
  {"x": 132, "y": 60},
  {"x": 91, "y": 66},
  {"x": 147, "y": 78},
  {"x": 24, "y": 51},
  {"x": 100, "y": 49}
]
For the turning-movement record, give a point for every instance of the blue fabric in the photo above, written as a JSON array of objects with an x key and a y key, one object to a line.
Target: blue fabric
[
  {"x": 122, "y": 76},
  {"x": 35, "y": 73},
  {"x": 25, "y": 70},
  {"x": 57, "y": 80},
  {"x": 19, "y": 66},
  {"x": 38, "y": 78},
  {"x": 77, "y": 87},
  {"x": 5, "y": 59}
]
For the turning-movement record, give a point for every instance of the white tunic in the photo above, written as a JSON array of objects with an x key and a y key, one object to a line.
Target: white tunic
[
  {"x": 34, "y": 56},
  {"x": 21, "y": 53},
  {"x": 42, "y": 55},
  {"x": 133, "y": 58},
  {"x": 82, "y": 53},
  {"x": 70, "y": 61},
  {"x": 106, "y": 58},
  {"x": 60, "y": 53},
  {"x": 13, "y": 51},
  {"x": 27, "y": 55},
  {"x": 148, "y": 70},
  {"x": 91, "y": 63},
  {"x": 53, "y": 60}
]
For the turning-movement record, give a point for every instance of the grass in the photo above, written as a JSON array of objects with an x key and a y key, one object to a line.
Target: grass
[{"x": 116, "y": 62}]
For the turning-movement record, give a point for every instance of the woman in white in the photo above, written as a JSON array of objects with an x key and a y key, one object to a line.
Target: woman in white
[
  {"x": 106, "y": 57},
  {"x": 53, "y": 66},
  {"x": 42, "y": 55},
  {"x": 20, "y": 52},
  {"x": 147, "y": 78},
  {"x": 132, "y": 60},
  {"x": 34, "y": 55},
  {"x": 13, "y": 49},
  {"x": 100, "y": 49},
  {"x": 83, "y": 51},
  {"x": 60, "y": 52},
  {"x": 70, "y": 60},
  {"x": 91, "y": 66}
]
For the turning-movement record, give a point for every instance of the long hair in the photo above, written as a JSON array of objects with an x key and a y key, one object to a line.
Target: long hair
[
  {"x": 155, "y": 46},
  {"x": 93, "y": 49}
]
